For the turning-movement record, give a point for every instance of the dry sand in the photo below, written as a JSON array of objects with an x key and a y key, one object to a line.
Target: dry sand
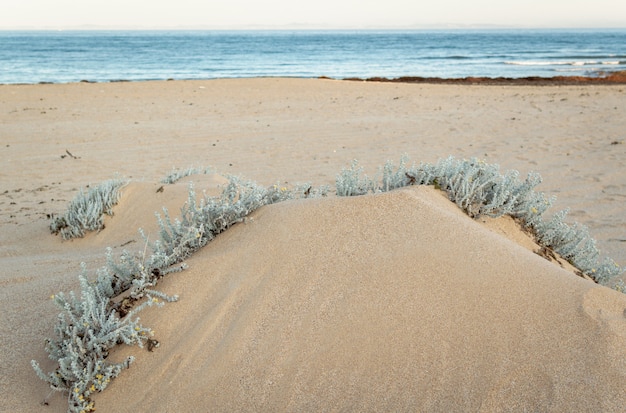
[{"x": 389, "y": 302}]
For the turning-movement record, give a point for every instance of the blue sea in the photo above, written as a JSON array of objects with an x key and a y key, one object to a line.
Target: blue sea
[{"x": 101, "y": 56}]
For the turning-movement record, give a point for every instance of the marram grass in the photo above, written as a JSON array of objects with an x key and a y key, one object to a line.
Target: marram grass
[{"x": 106, "y": 312}]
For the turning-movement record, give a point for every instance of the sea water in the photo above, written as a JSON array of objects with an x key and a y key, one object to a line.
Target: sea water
[{"x": 72, "y": 56}]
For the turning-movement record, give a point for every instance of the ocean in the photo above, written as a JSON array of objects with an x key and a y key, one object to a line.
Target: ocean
[{"x": 101, "y": 56}]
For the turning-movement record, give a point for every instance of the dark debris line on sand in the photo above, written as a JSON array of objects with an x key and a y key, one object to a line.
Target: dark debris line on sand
[{"x": 602, "y": 79}]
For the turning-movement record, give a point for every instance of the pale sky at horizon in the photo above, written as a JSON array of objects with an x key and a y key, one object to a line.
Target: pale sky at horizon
[{"x": 39, "y": 14}]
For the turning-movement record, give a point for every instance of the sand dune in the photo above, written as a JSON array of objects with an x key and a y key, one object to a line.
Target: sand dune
[
  {"x": 395, "y": 301},
  {"x": 387, "y": 302}
]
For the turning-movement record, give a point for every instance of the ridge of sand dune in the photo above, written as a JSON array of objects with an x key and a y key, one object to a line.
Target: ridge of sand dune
[{"x": 387, "y": 302}]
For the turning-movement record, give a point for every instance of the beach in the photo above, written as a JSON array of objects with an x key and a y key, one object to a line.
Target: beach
[{"x": 386, "y": 302}]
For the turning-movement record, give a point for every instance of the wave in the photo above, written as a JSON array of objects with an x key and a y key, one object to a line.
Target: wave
[
  {"x": 566, "y": 62},
  {"x": 451, "y": 57}
]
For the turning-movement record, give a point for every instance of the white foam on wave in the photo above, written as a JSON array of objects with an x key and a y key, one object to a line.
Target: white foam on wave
[{"x": 562, "y": 63}]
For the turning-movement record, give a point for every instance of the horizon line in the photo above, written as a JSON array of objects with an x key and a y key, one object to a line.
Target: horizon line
[{"x": 304, "y": 26}]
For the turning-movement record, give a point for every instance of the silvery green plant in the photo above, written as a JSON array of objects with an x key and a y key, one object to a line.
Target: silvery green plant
[
  {"x": 105, "y": 314},
  {"x": 399, "y": 177},
  {"x": 303, "y": 191},
  {"x": 177, "y": 174},
  {"x": 574, "y": 243},
  {"x": 99, "y": 319},
  {"x": 85, "y": 212},
  {"x": 480, "y": 189},
  {"x": 86, "y": 331},
  {"x": 201, "y": 220},
  {"x": 352, "y": 182}
]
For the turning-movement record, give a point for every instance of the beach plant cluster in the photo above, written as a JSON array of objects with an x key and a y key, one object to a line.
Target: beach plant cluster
[
  {"x": 103, "y": 316},
  {"x": 177, "y": 174},
  {"x": 105, "y": 313},
  {"x": 480, "y": 189},
  {"x": 201, "y": 220},
  {"x": 86, "y": 211}
]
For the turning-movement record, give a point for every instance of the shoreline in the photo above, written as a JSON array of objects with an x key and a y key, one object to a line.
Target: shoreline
[{"x": 608, "y": 78}]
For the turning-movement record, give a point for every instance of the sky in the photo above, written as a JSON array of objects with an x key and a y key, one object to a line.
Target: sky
[{"x": 241, "y": 14}]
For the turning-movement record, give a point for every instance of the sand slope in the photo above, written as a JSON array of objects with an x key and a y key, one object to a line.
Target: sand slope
[{"x": 392, "y": 302}]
